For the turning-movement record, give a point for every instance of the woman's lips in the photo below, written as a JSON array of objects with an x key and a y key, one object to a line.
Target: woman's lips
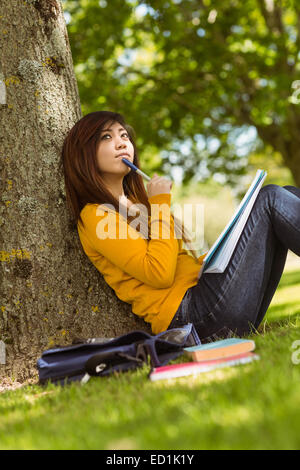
[{"x": 123, "y": 155}]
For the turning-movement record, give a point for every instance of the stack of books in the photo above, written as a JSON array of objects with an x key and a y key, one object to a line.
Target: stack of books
[{"x": 207, "y": 357}]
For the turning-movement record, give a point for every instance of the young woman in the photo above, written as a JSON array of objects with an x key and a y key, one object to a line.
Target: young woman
[{"x": 154, "y": 273}]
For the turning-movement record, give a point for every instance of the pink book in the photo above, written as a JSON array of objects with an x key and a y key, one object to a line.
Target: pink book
[{"x": 194, "y": 368}]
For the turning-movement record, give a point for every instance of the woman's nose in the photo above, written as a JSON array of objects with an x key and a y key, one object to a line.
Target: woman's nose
[{"x": 120, "y": 143}]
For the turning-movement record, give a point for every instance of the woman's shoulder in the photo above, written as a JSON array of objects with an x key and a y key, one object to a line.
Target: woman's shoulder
[
  {"x": 90, "y": 206},
  {"x": 88, "y": 209},
  {"x": 92, "y": 211},
  {"x": 93, "y": 207},
  {"x": 90, "y": 215}
]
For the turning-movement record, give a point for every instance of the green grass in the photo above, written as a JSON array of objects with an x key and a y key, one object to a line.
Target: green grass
[{"x": 255, "y": 406}]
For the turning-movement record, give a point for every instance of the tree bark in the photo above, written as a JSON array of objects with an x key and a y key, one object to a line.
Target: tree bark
[
  {"x": 286, "y": 141},
  {"x": 50, "y": 291}
]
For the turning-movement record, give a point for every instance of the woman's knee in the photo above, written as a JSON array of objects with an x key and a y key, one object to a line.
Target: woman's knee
[
  {"x": 293, "y": 190},
  {"x": 269, "y": 193},
  {"x": 270, "y": 188},
  {"x": 275, "y": 188},
  {"x": 273, "y": 191}
]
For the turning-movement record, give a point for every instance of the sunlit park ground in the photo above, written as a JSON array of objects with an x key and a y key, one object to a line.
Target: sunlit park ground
[{"x": 254, "y": 406}]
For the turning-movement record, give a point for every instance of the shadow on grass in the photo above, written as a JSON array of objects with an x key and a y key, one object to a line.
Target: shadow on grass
[
  {"x": 289, "y": 279},
  {"x": 279, "y": 321},
  {"x": 224, "y": 409},
  {"x": 50, "y": 430},
  {"x": 283, "y": 310}
]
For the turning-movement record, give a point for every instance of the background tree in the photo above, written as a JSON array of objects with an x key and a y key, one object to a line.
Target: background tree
[
  {"x": 222, "y": 77},
  {"x": 50, "y": 292}
]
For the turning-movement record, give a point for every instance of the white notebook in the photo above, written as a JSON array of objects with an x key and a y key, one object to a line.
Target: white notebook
[{"x": 220, "y": 253}]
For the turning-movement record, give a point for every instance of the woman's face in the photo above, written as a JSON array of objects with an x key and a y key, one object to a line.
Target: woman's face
[{"x": 114, "y": 144}]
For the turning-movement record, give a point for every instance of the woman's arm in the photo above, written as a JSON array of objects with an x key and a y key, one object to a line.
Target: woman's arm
[{"x": 152, "y": 262}]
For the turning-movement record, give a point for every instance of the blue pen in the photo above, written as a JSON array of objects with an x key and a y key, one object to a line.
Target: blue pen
[{"x": 135, "y": 168}]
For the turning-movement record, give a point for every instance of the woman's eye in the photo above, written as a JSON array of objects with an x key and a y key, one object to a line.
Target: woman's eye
[{"x": 124, "y": 133}]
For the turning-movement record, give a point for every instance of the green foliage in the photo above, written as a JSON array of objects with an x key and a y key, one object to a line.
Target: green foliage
[
  {"x": 254, "y": 406},
  {"x": 273, "y": 163},
  {"x": 199, "y": 73}
]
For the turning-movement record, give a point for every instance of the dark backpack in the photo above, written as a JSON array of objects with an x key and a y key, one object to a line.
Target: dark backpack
[{"x": 102, "y": 356}]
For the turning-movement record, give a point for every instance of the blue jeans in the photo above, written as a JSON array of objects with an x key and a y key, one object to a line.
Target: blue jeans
[{"x": 235, "y": 302}]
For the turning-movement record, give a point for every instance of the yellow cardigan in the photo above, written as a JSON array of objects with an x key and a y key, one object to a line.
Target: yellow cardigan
[{"x": 151, "y": 275}]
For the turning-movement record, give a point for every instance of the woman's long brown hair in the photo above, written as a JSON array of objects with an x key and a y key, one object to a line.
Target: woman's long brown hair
[{"x": 83, "y": 181}]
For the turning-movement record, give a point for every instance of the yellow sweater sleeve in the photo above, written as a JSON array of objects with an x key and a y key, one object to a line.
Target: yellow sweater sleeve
[{"x": 153, "y": 261}]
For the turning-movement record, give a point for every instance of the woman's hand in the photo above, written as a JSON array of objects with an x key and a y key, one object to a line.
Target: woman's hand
[{"x": 158, "y": 185}]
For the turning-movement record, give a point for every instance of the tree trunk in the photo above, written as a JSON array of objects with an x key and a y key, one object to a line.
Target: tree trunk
[
  {"x": 285, "y": 140},
  {"x": 50, "y": 291},
  {"x": 294, "y": 166}
]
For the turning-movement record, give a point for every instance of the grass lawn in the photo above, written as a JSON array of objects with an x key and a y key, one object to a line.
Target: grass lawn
[{"x": 254, "y": 406}]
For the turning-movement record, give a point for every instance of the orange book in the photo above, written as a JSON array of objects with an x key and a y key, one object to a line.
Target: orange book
[{"x": 220, "y": 349}]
